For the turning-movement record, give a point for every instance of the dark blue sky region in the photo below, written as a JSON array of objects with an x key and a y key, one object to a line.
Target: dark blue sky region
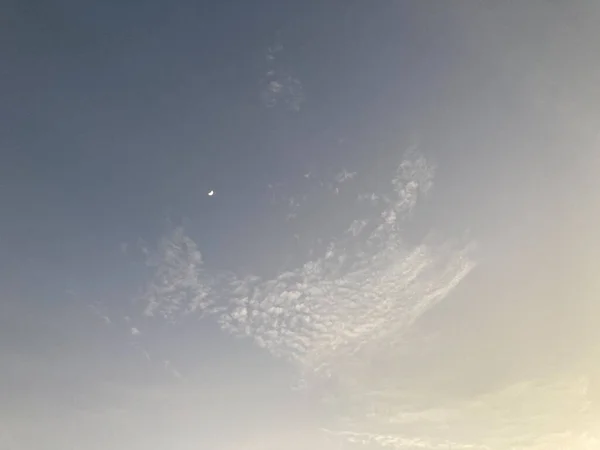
[{"x": 118, "y": 116}]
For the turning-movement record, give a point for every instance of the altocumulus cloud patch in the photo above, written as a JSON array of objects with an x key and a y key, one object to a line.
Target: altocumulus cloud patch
[
  {"x": 367, "y": 286},
  {"x": 359, "y": 298}
]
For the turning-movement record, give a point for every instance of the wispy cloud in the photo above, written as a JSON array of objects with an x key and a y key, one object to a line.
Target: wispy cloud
[
  {"x": 180, "y": 281},
  {"x": 171, "y": 369},
  {"x": 364, "y": 291},
  {"x": 401, "y": 442},
  {"x": 344, "y": 175},
  {"x": 280, "y": 86},
  {"x": 551, "y": 414},
  {"x": 365, "y": 288},
  {"x": 96, "y": 309}
]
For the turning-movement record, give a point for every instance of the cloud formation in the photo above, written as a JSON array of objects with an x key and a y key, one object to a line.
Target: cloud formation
[
  {"x": 367, "y": 286},
  {"x": 338, "y": 309},
  {"x": 339, "y": 314},
  {"x": 559, "y": 410},
  {"x": 280, "y": 86},
  {"x": 180, "y": 283}
]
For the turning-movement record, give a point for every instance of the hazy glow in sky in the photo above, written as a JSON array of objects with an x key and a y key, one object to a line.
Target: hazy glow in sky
[{"x": 301, "y": 225}]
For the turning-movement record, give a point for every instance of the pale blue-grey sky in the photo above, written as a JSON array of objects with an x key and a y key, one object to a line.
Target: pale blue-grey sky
[{"x": 303, "y": 225}]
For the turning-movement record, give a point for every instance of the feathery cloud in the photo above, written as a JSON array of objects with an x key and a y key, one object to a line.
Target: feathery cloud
[
  {"x": 367, "y": 287},
  {"x": 337, "y": 309},
  {"x": 280, "y": 86},
  {"x": 559, "y": 411}
]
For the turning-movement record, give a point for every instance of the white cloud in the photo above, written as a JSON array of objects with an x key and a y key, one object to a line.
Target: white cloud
[
  {"x": 281, "y": 87},
  {"x": 371, "y": 198},
  {"x": 344, "y": 175},
  {"x": 179, "y": 280},
  {"x": 171, "y": 369},
  {"x": 96, "y": 309},
  {"x": 332, "y": 313},
  {"x": 367, "y": 287},
  {"x": 551, "y": 414},
  {"x": 402, "y": 442}
]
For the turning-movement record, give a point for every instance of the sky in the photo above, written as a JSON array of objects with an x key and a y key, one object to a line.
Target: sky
[{"x": 299, "y": 224}]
